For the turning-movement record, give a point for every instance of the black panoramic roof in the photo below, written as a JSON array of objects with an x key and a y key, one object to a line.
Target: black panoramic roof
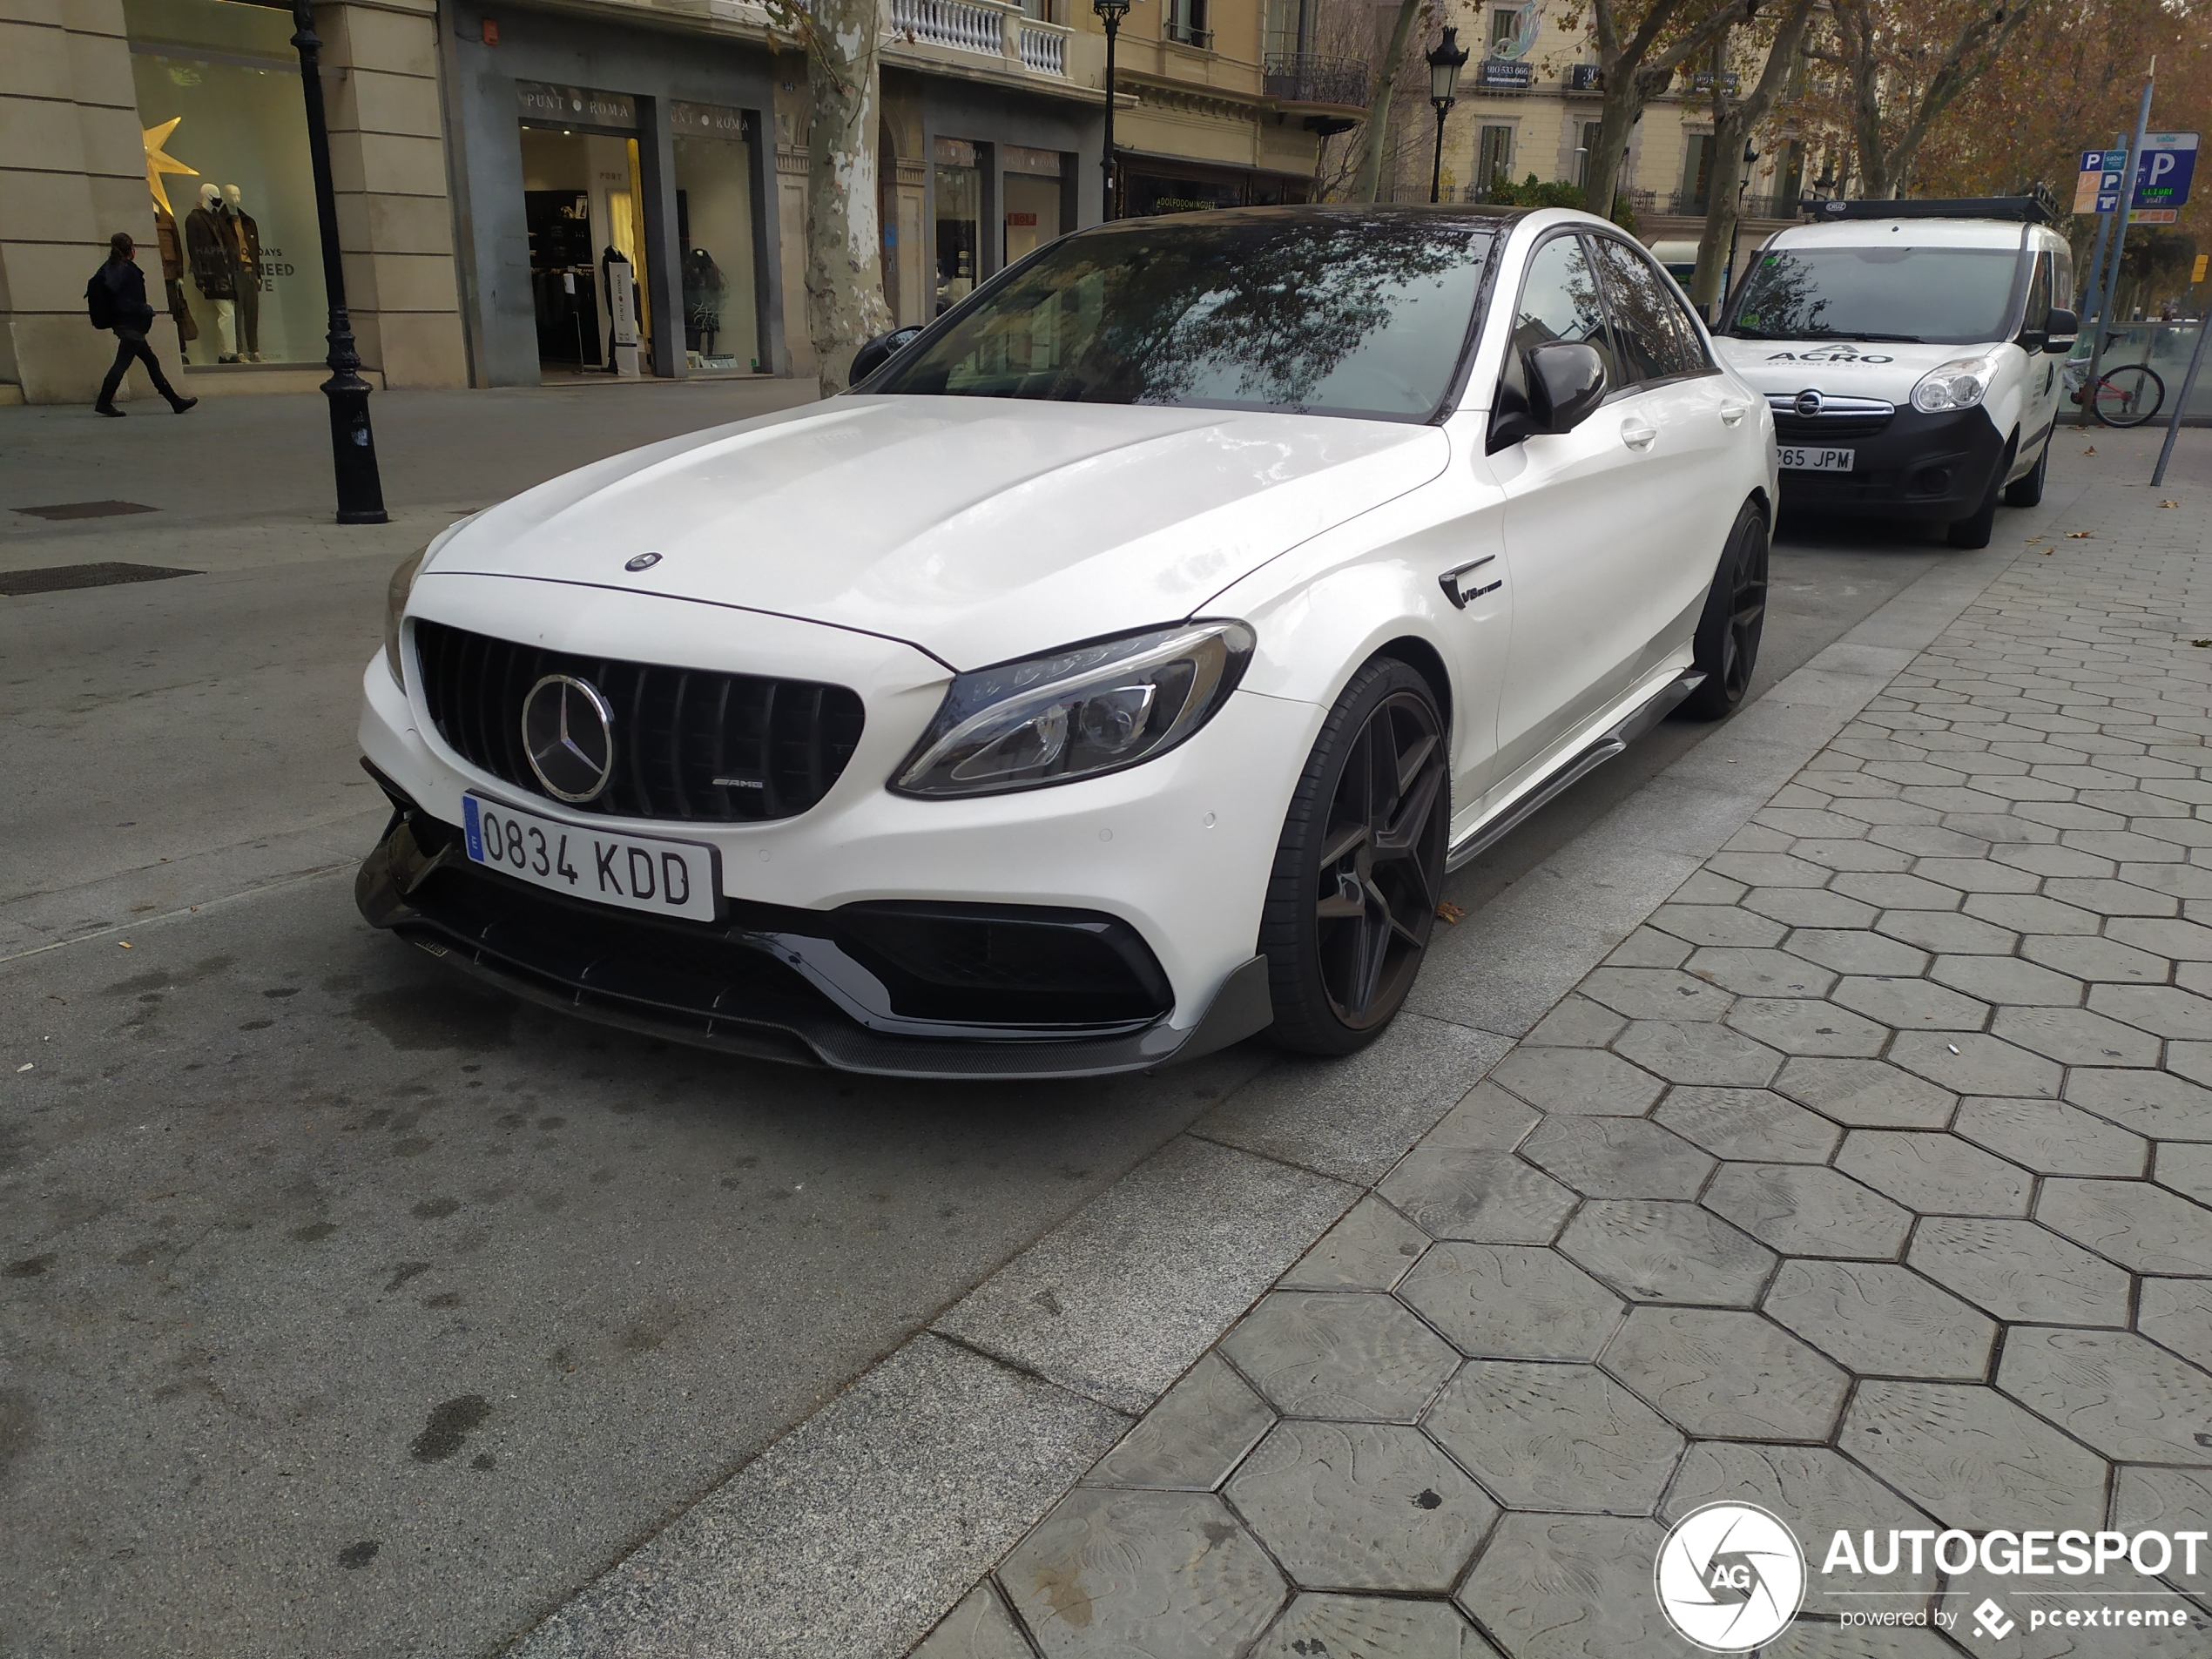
[{"x": 2024, "y": 210}]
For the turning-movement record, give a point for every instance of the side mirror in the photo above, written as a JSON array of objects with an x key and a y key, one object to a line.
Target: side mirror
[
  {"x": 881, "y": 350},
  {"x": 2060, "y": 330},
  {"x": 1565, "y": 382}
]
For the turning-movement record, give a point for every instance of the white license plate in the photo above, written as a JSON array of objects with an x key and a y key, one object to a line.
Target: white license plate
[
  {"x": 637, "y": 872},
  {"x": 1797, "y": 458}
]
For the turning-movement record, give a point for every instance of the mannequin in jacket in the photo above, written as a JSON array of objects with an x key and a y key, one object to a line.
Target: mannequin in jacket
[
  {"x": 247, "y": 235},
  {"x": 212, "y": 252}
]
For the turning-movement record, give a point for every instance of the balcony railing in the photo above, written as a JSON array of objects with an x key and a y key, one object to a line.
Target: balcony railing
[
  {"x": 988, "y": 28},
  {"x": 1307, "y": 77},
  {"x": 1044, "y": 47}
]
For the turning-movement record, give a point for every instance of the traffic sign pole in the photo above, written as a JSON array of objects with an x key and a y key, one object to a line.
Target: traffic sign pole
[
  {"x": 2188, "y": 384},
  {"x": 2120, "y": 231}
]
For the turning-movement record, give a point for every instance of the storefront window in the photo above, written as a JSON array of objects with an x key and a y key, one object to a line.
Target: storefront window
[
  {"x": 959, "y": 186},
  {"x": 226, "y": 133},
  {"x": 714, "y": 229},
  {"x": 1032, "y": 199},
  {"x": 581, "y": 198}
]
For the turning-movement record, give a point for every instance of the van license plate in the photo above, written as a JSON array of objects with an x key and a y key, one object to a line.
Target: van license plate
[
  {"x": 637, "y": 872},
  {"x": 1797, "y": 458}
]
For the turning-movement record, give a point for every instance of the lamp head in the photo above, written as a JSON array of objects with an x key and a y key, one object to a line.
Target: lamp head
[
  {"x": 1444, "y": 63},
  {"x": 1110, "y": 13}
]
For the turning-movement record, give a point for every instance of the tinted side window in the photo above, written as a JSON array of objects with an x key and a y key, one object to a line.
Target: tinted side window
[
  {"x": 1644, "y": 317},
  {"x": 1559, "y": 300},
  {"x": 2038, "y": 313}
]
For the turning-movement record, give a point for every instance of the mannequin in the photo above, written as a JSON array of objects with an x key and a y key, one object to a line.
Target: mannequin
[
  {"x": 210, "y": 248},
  {"x": 703, "y": 292},
  {"x": 172, "y": 274},
  {"x": 246, "y": 236}
]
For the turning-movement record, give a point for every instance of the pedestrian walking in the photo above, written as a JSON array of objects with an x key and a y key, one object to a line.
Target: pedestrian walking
[{"x": 115, "y": 298}]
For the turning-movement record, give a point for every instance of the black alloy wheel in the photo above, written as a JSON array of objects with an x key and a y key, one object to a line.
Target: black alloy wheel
[
  {"x": 1360, "y": 870},
  {"x": 1727, "y": 648}
]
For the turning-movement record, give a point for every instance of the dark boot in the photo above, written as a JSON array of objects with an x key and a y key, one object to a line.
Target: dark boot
[
  {"x": 107, "y": 408},
  {"x": 180, "y": 404}
]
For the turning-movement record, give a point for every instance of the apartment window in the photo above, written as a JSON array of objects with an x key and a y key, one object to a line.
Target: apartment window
[
  {"x": 1696, "y": 170},
  {"x": 1582, "y": 156},
  {"x": 1505, "y": 29},
  {"x": 1494, "y": 157},
  {"x": 1185, "y": 20}
]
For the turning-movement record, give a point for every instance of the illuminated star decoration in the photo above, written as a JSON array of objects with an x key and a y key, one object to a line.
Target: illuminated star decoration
[{"x": 159, "y": 161}]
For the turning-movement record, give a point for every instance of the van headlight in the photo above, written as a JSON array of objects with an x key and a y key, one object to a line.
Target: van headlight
[
  {"x": 395, "y": 596},
  {"x": 1960, "y": 384},
  {"x": 1078, "y": 712}
]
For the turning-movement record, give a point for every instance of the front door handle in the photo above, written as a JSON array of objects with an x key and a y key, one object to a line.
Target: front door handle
[
  {"x": 1451, "y": 582},
  {"x": 1638, "y": 435},
  {"x": 1733, "y": 414}
]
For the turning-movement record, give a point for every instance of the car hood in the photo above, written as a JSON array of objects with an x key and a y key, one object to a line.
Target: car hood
[
  {"x": 1842, "y": 368},
  {"x": 977, "y": 528}
]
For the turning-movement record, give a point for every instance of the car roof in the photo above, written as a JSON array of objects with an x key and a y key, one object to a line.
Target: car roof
[
  {"x": 1918, "y": 232},
  {"x": 1471, "y": 214}
]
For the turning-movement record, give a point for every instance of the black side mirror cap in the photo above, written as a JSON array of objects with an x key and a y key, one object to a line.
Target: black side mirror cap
[
  {"x": 2060, "y": 330},
  {"x": 880, "y": 350},
  {"x": 1565, "y": 384}
]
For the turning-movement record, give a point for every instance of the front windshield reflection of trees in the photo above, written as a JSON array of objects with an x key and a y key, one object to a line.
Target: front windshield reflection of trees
[
  {"x": 1941, "y": 295},
  {"x": 1343, "y": 314}
]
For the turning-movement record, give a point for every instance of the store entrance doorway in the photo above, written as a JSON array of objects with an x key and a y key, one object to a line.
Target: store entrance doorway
[{"x": 581, "y": 193}]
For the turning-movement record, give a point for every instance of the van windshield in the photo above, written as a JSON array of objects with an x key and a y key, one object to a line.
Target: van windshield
[
  {"x": 1939, "y": 295},
  {"x": 1324, "y": 314}
]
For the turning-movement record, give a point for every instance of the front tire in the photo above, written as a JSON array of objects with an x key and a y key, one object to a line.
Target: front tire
[
  {"x": 1976, "y": 531},
  {"x": 1727, "y": 650},
  {"x": 2028, "y": 490},
  {"x": 1360, "y": 869}
]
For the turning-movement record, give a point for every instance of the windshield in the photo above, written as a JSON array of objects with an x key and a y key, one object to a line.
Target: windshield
[
  {"x": 1941, "y": 295},
  {"x": 1334, "y": 313}
]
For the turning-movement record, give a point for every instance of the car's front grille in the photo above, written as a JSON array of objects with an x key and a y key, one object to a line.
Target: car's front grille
[
  {"x": 688, "y": 743},
  {"x": 1839, "y": 418}
]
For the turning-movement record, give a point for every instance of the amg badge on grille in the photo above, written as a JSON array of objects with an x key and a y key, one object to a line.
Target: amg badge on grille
[{"x": 569, "y": 734}]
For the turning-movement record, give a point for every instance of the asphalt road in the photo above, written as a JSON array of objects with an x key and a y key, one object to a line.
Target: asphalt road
[{"x": 352, "y": 1311}]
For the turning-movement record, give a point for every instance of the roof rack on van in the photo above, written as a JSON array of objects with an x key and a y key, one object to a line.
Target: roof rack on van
[{"x": 2028, "y": 210}]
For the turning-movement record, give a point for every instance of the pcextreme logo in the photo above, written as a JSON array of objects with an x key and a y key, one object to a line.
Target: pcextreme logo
[{"x": 1729, "y": 1577}]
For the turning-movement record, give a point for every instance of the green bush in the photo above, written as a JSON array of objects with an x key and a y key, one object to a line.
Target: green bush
[{"x": 1557, "y": 194}]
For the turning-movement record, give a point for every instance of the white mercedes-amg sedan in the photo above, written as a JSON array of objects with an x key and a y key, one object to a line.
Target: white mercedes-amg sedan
[{"x": 1116, "y": 672}]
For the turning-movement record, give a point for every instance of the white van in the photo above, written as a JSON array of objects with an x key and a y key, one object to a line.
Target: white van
[{"x": 1911, "y": 352}]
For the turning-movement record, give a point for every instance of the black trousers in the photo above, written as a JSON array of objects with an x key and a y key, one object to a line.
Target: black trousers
[{"x": 133, "y": 345}]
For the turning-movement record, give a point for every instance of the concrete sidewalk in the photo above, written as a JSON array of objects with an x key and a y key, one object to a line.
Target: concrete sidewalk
[{"x": 1866, "y": 1183}]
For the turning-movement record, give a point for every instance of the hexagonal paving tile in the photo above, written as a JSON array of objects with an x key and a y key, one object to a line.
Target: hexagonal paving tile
[
  {"x": 2020, "y": 1271},
  {"x": 1654, "y": 994},
  {"x": 1617, "y": 1158},
  {"x": 1649, "y": 948},
  {"x": 1486, "y": 1120},
  {"x": 1947, "y": 932},
  {"x": 1711, "y": 924},
  {"x": 2030, "y": 913},
  {"x": 1319, "y": 1353},
  {"x": 2127, "y": 1398},
  {"x": 1563, "y": 1438},
  {"x": 2144, "y": 1228},
  {"x": 2167, "y": 1009},
  {"x": 2183, "y": 940},
  {"x": 2108, "y": 959},
  {"x": 1818, "y": 1492},
  {"x": 2005, "y": 979},
  {"x": 1372, "y": 1627},
  {"x": 2051, "y": 1137},
  {"x": 1844, "y": 854},
  {"x": 2186, "y": 1166},
  {"x": 1768, "y": 869},
  {"x": 2190, "y": 1060},
  {"x": 2176, "y": 1313},
  {"x": 1912, "y": 1004},
  {"x": 1968, "y": 1063},
  {"x": 1865, "y": 1094},
  {"x": 1753, "y": 1125},
  {"x": 1759, "y": 973},
  {"x": 1718, "y": 1371},
  {"x": 2111, "y": 898},
  {"x": 1800, "y": 1025},
  {"x": 1361, "y": 1506},
  {"x": 2149, "y": 1102},
  {"x": 1576, "y": 1022},
  {"x": 1856, "y": 950},
  {"x": 1369, "y": 1250},
  {"x": 1549, "y": 1588},
  {"x": 1935, "y": 1174},
  {"x": 1668, "y": 1252},
  {"x": 1896, "y": 892},
  {"x": 980, "y": 1628},
  {"x": 1700, "y": 1052},
  {"x": 1110, "y": 1572},
  {"x": 1490, "y": 1196},
  {"x": 2073, "y": 1037},
  {"x": 1192, "y": 1437},
  {"x": 1577, "y": 1080},
  {"x": 1882, "y": 1320},
  {"x": 1973, "y": 1459},
  {"x": 1512, "y": 1302},
  {"x": 1814, "y": 906},
  {"x": 1802, "y": 1210},
  {"x": 2168, "y": 1501}
]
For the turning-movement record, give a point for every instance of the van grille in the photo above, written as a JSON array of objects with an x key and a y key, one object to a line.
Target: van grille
[{"x": 775, "y": 745}]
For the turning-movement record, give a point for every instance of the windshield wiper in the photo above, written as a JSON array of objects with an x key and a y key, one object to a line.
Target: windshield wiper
[{"x": 1899, "y": 340}]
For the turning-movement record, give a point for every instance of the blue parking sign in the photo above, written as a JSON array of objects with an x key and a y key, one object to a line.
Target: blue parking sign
[{"x": 2163, "y": 172}]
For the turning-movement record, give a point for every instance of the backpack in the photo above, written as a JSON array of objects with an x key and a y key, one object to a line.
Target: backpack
[{"x": 99, "y": 301}]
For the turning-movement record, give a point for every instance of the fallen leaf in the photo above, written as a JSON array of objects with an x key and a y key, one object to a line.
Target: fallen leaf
[
  {"x": 2169, "y": 503},
  {"x": 21, "y": 1069},
  {"x": 2078, "y": 536},
  {"x": 2047, "y": 552},
  {"x": 125, "y": 944},
  {"x": 1449, "y": 912},
  {"x": 2091, "y": 450},
  {"x": 2202, "y": 644}
]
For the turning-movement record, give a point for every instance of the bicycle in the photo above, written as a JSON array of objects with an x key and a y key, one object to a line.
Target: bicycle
[{"x": 2126, "y": 396}]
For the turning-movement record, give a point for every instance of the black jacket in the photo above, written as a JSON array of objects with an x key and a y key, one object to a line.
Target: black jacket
[{"x": 128, "y": 284}]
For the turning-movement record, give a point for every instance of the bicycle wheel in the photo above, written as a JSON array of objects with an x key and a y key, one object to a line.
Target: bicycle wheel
[{"x": 2129, "y": 395}]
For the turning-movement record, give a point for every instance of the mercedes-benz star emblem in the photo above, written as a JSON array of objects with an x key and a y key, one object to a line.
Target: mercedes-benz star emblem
[
  {"x": 1809, "y": 403},
  {"x": 569, "y": 733},
  {"x": 643, "y": 562}
]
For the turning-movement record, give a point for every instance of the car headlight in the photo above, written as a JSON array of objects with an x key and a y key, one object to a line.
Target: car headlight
[
  {"x": 1960, "y": 384},
  {"x": 402, "y": 584},
  {"x": 1083, "y": 710}
]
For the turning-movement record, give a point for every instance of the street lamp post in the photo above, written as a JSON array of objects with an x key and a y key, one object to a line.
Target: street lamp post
[
  {"x": 1110, "y": 13},
  {"x": 1445, "y": 63},
  {"x": 353, "y": 447}
]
